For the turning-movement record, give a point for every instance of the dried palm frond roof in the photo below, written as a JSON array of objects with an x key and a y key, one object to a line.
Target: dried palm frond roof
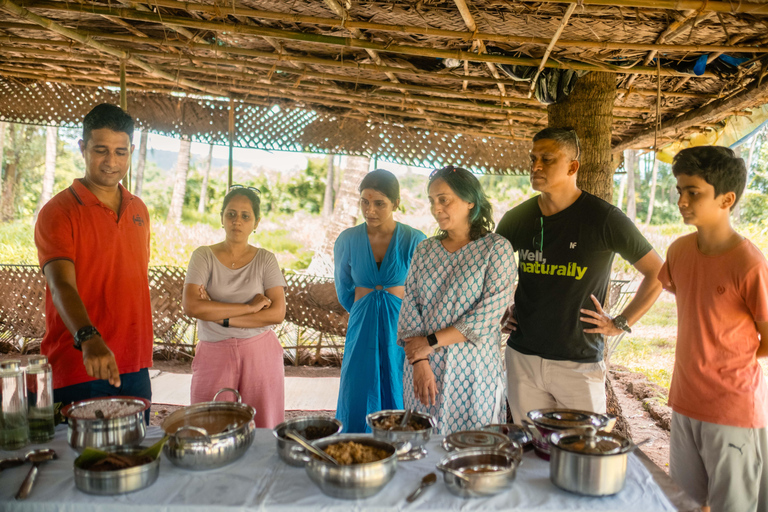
[{"x": 418, "y": 81}]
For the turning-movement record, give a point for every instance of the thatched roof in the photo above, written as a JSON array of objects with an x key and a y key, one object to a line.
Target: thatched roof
[{"x": 418, "y": 81}]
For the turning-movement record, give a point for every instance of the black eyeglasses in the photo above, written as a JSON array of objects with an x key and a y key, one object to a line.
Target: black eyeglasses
[
  {"x": 233, "y": 187},
  {"x": 444, "y": 170},
  {"x": 538, "y": 238}
]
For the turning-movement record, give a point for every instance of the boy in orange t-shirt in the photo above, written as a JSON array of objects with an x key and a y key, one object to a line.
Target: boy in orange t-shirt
[{"x": 718, "y": 396}]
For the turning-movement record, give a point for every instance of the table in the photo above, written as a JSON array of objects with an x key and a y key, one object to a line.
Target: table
[{"x": 260, "y": 481}]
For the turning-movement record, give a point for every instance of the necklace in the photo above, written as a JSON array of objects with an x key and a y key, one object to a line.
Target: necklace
[{"x": 234, "y": 262}]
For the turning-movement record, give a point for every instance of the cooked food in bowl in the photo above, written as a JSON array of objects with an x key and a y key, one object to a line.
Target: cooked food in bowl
[
  {"x": 392, "y": 422},
  {"x": 313, "y": 432},
  {"x": 349, "y": 452},
  {"x": 116, "y": 461},
  {"x": 105, "y": 409},
  {"x": 485, "y": 468}
]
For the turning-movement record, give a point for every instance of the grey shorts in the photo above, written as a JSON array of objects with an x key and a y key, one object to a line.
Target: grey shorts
[{"x": 720, "y": 466}]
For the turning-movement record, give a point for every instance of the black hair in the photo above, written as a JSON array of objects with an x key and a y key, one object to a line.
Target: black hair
[
  {"x": 465, "y": 185},
  {"x": 106, "y": 115},
  {"x": 382, "y": 181},
  {"x": 564, "y": 136},
  {"x": 718, "y": 166},
  {"x": 252, "y": 196}
]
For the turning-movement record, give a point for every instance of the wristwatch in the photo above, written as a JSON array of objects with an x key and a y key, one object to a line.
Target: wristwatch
[
  {"x": 84, "y": 334},
  {"x": 432, "y": 339},
  {"x": 620, "y": 321}
]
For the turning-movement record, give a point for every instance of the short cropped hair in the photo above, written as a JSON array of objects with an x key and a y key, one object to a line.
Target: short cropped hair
[
  {"x": 252, "y": 196},
  {"x": 382, "y": 181},
  {"x": 718, "y": 166},
  {"x": 109, "y": 116},
  {"x": 566, "y": 137},
  {"x": 465, "y": 185}
]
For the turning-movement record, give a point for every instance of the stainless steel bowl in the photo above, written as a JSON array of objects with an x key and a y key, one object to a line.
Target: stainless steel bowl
[
  {"x": 209, "y": 435},
  {"x": 480, "y": 472},
  {"x": 128, "y": 430},
  {"x": 290, "y": 451},
  {"x": 417, "y": 438},
  {"x": 590, "y": 474},
  {"x": 353, "y": 481},
  {"x": 119, "y": 481}
]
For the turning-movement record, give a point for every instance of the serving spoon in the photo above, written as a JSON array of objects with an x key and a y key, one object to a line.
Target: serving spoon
[
  {"x": 295, "y": 436},
  {"x": 36, "y": 457},
  {"x": 425, "y": 482}
]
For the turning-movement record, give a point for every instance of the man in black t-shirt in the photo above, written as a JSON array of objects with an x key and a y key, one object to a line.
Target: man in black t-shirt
[{"x": 565, "y": 240}]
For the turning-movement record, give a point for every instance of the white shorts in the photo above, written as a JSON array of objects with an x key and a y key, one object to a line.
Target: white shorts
[
  {"x": 537, "y": 383},
  {"x": 720, "y": 466}
]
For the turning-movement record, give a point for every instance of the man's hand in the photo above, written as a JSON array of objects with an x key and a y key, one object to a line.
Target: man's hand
[
  {"x": 424, "y": 385},
  {"x": 417, "y": 348},
  {"x": 100, "y": 361},
  {"x": 260, "y": 302},
  {"x": 508, "y": 321},
  {"x": 603, "y": 322}
]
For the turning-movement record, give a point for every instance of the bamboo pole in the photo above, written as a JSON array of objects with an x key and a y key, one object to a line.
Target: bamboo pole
[
  {"x": 231, "y": 134},
  {"x": 344, "y": 42},
  {"x": 454, "y": 34},
  {"x": 550, "y": 46},
  {"x": 678, "y": 5},
  {"x": 124, "y": 106}
]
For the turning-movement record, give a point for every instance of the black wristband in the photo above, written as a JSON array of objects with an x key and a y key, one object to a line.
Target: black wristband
[
  {"x": 225, "y": 322},
  {"x": 419, "y": 360},
  {"x": 432, "y": 339},
  {"x": 84, "y": 334}
]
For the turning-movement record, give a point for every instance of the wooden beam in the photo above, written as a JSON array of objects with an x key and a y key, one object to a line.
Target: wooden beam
[
  {"x": 754, "y": 94},
  {"x": 347, "y": 42},
  {"x": 678, "y": 5},
  {"x": 551, "y": 45}
]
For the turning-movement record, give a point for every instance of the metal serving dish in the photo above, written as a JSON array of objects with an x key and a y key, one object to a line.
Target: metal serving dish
[
  {"x": 548, "y": 421},
  {"x": 516, "y": 433},
  {"x": 353, "y": 481},
  {"x": 101, "y": 433},
  {"x": 417, "y": 438},
  {"x": 209, "y": 435},
  {"x": 471, "y": 439},
  {"x": 480, "y": 472},
  {"x": 118, "y": 481},
  {"x": 290, "y": 451},
  {"x": 588, "y": 462}
]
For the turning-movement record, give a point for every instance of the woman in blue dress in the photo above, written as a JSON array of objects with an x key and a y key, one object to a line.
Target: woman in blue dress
[
  {"x": 458, "y": 287},
  {"x": 371, "y": 262}
]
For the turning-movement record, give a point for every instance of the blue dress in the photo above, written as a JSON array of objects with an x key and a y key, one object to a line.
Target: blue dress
[{"x": 372, "y": 369}]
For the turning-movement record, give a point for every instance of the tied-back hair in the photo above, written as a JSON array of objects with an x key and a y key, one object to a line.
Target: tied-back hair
[
  {"x": 382, "y": 181},
  {"x": 718, "y": 166},
  {"x": 252, "y": 196},
  {"x": 465, "y": 185},
  {"x": 565, "y": 137},
  {"x": 106, "y": 115}
]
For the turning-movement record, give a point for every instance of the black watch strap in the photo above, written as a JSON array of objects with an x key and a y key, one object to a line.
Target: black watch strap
[
  {"x": 432, "y": 339},
  {"x": 84, "y": 334},
  {"x": 225, "y": 322},
  {"x": 620, "y": 321}
]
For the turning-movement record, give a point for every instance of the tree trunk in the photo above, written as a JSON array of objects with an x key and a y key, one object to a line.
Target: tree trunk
[
  {"x": 652, "y": 194},
  {"x": 328, "y": 199},
  {"x": 589, "y": 110},
  {"x": 180, "y": 181},
  {"x": 51, "y": 141},
  {"x": 138, "y": 176},
  {"x": 631, "y": 165},
  {"x": 204, "y": 186},
  {"x": 2, "y": 146}
]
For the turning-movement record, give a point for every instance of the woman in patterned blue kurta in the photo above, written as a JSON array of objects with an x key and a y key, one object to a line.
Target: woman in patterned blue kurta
[
  {"x": 371, "y": 290},
  {"x": 458, "y": 287}
]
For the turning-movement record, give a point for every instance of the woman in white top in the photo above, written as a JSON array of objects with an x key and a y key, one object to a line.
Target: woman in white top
[{"x": 236, "y": 292}]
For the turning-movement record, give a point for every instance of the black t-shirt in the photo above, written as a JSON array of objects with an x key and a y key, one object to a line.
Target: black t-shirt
[{"x": 563, "y": 259}]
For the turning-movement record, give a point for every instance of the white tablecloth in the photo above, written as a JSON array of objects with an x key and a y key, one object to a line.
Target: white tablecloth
[{"x": 260, "y": 481}]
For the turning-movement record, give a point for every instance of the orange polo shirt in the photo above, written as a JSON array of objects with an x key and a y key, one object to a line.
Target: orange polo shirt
[
  {"x": 111, "y": 257},
  {"x": 717, "y": 378}
]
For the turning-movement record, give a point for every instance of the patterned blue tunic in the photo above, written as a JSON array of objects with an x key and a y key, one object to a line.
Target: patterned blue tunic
[
  {"x": 468, "y": 289},
  {"x": 372, "y": 369}
]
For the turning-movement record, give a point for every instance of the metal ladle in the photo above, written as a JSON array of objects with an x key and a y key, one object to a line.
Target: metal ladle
[
  {"x": 425, "y": 482},
  {"x": 295, "y": 436},
  {"x": 36, "y": 457}
]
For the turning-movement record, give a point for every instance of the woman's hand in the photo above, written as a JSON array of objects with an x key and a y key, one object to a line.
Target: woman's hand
[
  {"x": 417, "y": 348},
  {"x": 204, "y": 293},
  {"x": 259, "y": 302},
  {"x": 424, "y": 385}
]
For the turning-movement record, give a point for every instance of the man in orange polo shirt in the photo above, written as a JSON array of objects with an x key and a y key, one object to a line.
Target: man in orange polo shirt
[{"x": 93, "y": 246}]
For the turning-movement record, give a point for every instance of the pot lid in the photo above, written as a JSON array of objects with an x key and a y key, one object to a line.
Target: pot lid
[
  {"x": 590, "y": 441},
  {"x": 564, "y": 418},
  {"x": 473, "y": 439}
]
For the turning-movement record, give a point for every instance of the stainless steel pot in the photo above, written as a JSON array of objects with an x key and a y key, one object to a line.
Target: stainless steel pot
[
  {"x": 352, "y": 481},
  {"x": 416, "y": 438},
  {"x": 578, "y": 465},
  {"x": 209, "y": 435},
  {"x": 101, "y": 433},
  {"x": 479, "y": 472},
  {"x": 119, "y": 481},
  {"x": 548, "y": 421},
  {"x": 290, "y": 451}
]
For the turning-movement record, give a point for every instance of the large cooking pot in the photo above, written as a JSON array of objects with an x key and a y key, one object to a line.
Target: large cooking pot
[
  {"x": 121, "y": 422},
  {"x": 587, "y": 462},
  {"x": 548, "y": 421},
  {"x": 209, "y": 434},
  {"x": 481, "y": 472}
]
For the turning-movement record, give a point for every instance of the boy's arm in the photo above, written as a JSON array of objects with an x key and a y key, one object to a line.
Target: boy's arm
[{"x": 762, "y": 328}]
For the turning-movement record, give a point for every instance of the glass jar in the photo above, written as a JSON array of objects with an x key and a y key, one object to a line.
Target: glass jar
[
  {"x": 14, "y": 429},
  {"x": 40, "y": 399}
]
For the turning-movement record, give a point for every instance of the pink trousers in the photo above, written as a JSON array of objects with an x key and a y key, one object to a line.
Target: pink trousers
[{"x": 252, "y": 366}]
